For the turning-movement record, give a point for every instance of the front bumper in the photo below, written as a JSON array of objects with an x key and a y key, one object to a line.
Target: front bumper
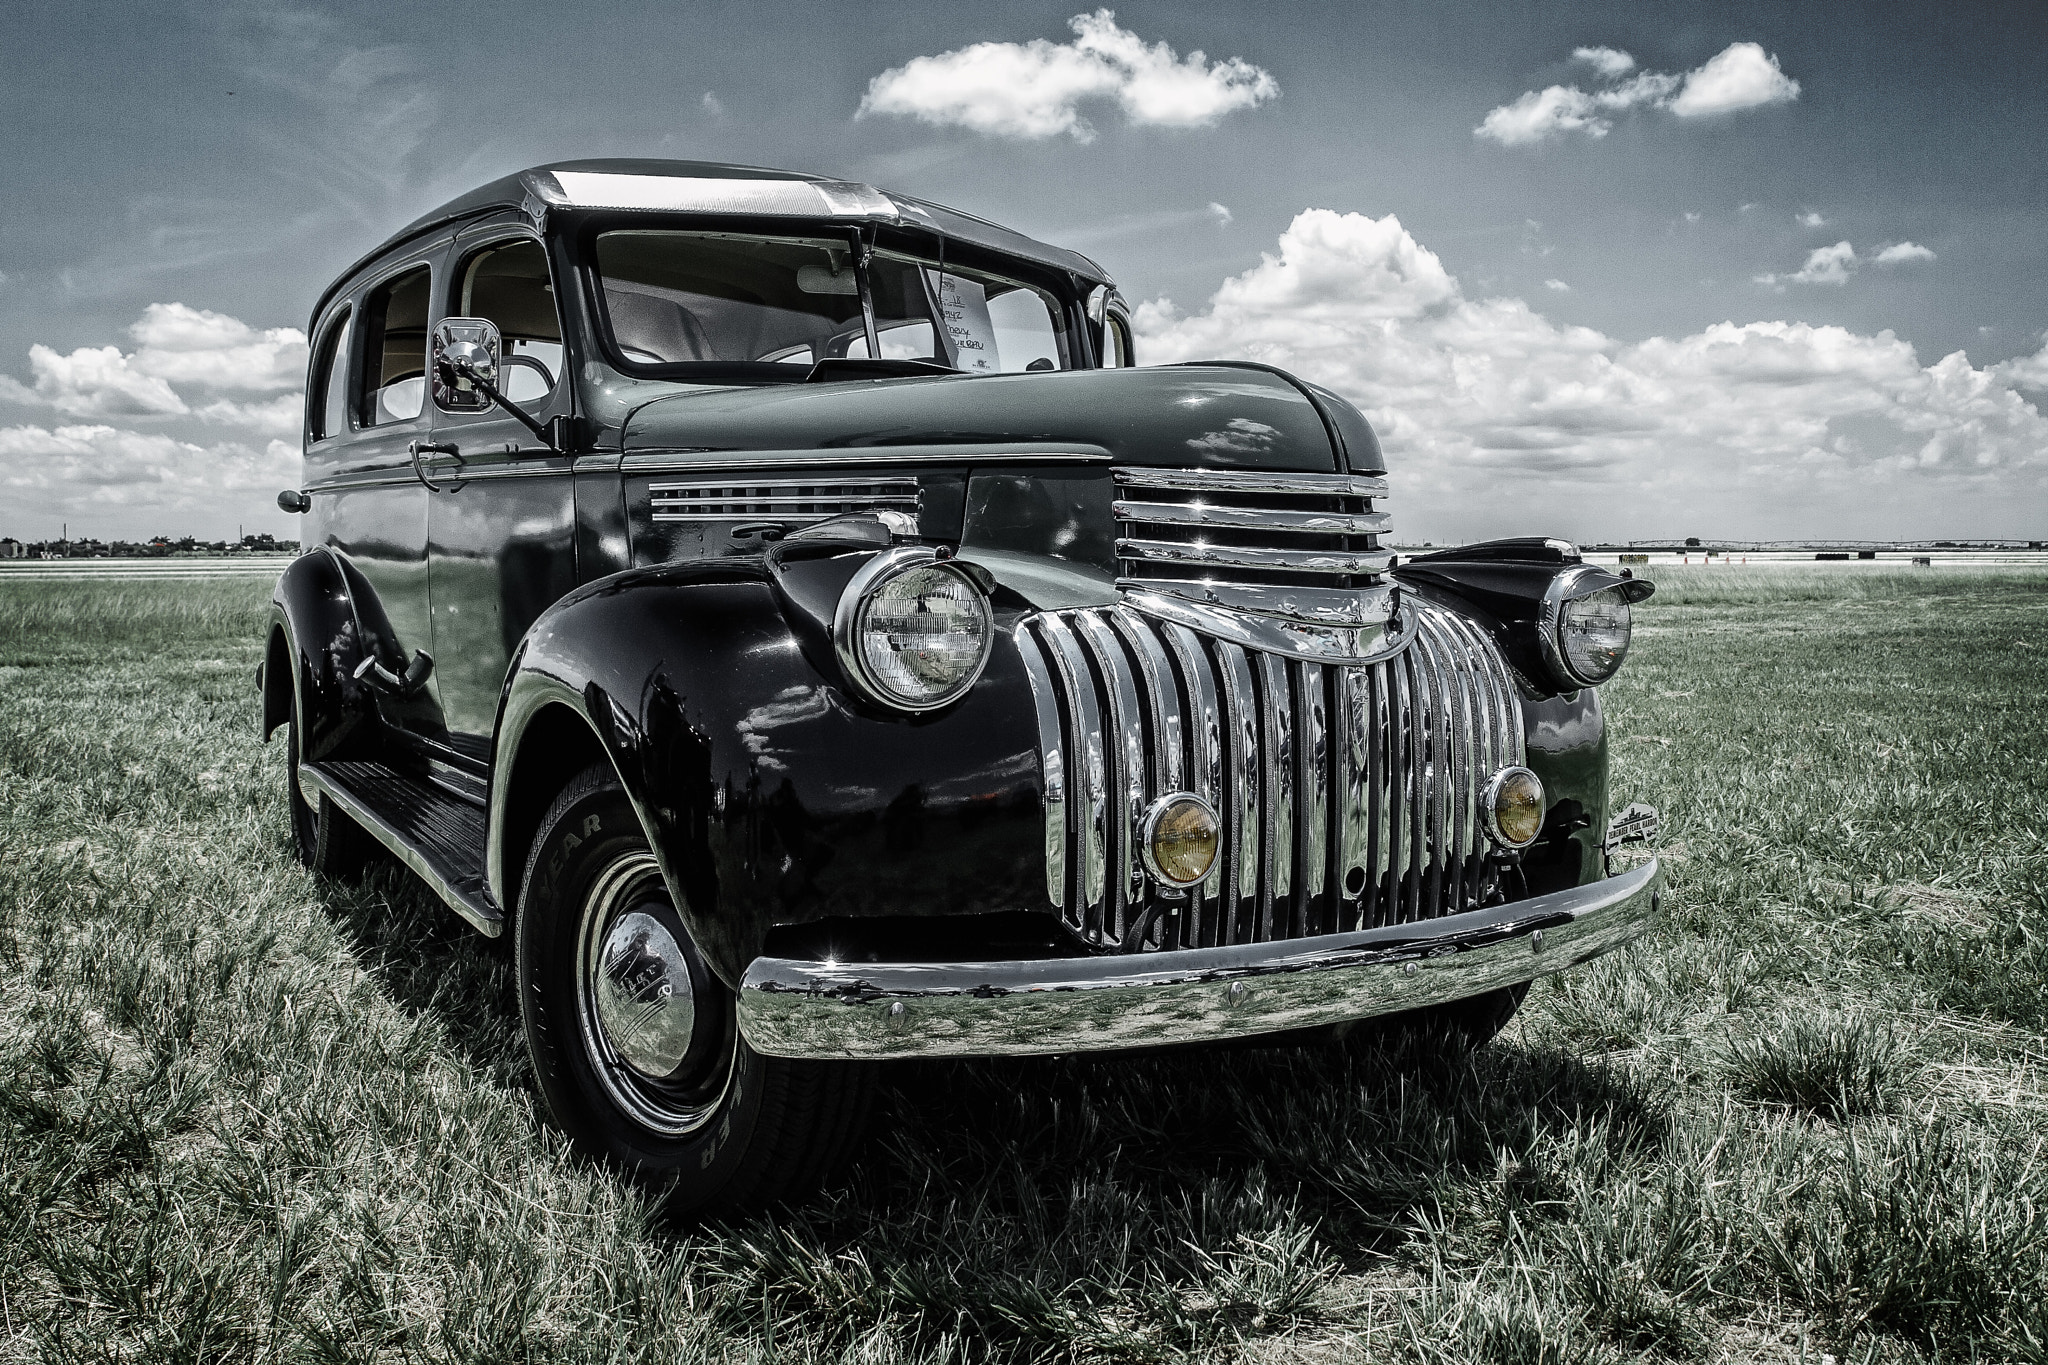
[{"x": 791, "y": 1008}]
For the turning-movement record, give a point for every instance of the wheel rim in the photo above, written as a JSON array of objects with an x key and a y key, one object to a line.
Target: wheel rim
[{"x": 654, "y": 1022}]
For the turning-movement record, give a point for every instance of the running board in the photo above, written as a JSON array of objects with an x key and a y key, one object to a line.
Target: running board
[{"x": 431, "y": 830}]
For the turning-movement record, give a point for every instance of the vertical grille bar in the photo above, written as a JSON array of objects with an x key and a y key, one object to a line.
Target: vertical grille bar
[
  {"x": 1053, "y": 762},
  {"x": 1312, "y": 726},
  {"x": 1205, "y": 775},
  {"x": 1127, "y": 772},
  {"x": 1092, "y": 825},
  {"x": 1277, "y": 708},
  {"x": 1430, "y": 847},
  {"x": 1380, "y": 793},
  {"x": 1163, "y": 694},
  {"x": 1167, "y": 743},
  {"x": 1400, "y": 787},
  {"x": 1243, "y": 818},
  {"x": 1352, "y": 739}
]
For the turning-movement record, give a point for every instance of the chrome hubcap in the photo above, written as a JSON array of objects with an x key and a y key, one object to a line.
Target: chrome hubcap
[
  {"x": 655, "y": 1043},
  {"x": 644, "y": 1001}
]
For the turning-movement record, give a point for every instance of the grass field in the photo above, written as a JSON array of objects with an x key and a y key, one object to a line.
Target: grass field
[{"x": 245, "y": 1116}]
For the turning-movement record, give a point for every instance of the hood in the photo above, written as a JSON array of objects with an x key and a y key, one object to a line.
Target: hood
[{"x": 1223, "y": 416}]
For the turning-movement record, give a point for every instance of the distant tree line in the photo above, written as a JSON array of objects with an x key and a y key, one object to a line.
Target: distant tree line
[{"x": 157, "y": 547}]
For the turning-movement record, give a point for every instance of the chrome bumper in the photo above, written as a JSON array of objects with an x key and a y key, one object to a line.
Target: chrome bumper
[{"x": 790, "y": 1008}]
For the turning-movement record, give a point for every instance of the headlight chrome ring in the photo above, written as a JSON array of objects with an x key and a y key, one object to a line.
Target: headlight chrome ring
[
  {"x": 912, "y": 632},
  {"x": 1179, "y": 837},
  {"x": 1587, "y": 624}
]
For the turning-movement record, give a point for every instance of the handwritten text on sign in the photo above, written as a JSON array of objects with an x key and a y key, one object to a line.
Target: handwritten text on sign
[{"x": 968, "y": 335}]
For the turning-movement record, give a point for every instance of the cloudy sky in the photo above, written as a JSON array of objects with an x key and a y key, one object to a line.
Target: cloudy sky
[{"x": 1611, "y": 271}]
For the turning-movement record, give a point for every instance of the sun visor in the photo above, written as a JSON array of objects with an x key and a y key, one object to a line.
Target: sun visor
[{"x": 703, "y": 194}]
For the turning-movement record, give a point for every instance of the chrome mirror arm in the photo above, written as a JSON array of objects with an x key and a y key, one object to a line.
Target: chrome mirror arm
[{"x": 460, "y": 370}]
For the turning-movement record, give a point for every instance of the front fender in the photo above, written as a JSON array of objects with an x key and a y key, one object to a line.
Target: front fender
[{"x": 770, "y": 793}]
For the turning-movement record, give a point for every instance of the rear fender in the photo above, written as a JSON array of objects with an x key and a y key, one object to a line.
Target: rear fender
[{"x": 323, "y": 616}]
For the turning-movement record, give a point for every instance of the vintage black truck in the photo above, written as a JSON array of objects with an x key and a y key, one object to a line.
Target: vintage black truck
[{"x": 786, "y": 608}]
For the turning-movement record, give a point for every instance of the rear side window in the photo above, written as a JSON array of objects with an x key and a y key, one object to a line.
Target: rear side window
[
  {"x": 395, "y": 350},
  {"x": 327, "y": 399}
]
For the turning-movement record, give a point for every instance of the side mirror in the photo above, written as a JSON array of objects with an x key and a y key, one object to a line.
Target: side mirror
[{"x": 464, "y": 362}]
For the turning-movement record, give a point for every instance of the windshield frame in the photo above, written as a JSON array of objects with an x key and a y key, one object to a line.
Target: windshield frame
[{"x": 914, "y": 244}]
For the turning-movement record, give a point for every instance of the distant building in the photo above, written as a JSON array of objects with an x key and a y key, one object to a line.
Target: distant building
[{"x": 10, "y": 548}]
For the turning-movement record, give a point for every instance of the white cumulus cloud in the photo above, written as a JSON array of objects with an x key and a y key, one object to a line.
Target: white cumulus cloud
[
  {"x": 1035, "y": 89},
  {"x": 137, "y": 481},
  {"x": 1835, "y": 264},
  {"x": 1811, "y": 219},
  {"x": 92, "y": 381},
  {"x": 1740, "y": 76},
  {"x": 1899, "y": 253},
  {"x": 196, "y": 346},
  {"x": 1498, "y": 420},
  {"x": 1608, "y": 61}
]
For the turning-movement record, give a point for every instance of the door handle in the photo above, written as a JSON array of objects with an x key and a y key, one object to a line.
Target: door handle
[{"x": 419, "y": 448}]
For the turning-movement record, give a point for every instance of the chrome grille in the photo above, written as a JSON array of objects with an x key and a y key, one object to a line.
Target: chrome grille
[
  {"x": 1295, "y": 545},
  {"x": 790, "y": 501},
  {"x": 1348, "y": 794}
]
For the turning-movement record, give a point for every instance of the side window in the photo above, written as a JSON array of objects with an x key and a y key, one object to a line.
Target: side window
[
  {"x": 395, "y": 350},
  {"x": 1116, "y": 333},
  {"x": 327, "y": 398},
  {"x": 508, "y": 285},
  {"x": 1025, "y": 337}
]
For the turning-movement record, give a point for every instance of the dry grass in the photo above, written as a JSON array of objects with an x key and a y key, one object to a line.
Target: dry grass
[{"x": 246, "y": 1116}]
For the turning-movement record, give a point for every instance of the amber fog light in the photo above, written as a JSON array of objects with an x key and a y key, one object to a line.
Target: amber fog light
[
  {"x": 1180, "y": 836},
  {"x": 1512, "y": 807}
]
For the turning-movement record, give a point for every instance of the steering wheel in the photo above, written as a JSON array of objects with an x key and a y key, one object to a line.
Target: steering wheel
[{"x": 532, "y": 364}]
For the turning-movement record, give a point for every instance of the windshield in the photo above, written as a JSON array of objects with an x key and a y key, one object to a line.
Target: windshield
[{"x": 716, "y": 306}]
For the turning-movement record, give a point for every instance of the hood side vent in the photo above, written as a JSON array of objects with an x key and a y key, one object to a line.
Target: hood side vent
[{"x": 793, "y": 502}]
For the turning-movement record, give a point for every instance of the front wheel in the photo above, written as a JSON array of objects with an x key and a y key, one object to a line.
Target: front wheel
[
  {"x": 323, "y": 837},
  {"x": 636, "y": 1044}
]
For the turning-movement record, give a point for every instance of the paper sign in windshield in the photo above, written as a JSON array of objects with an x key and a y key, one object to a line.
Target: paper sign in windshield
[{"x": 968, "y": 335}]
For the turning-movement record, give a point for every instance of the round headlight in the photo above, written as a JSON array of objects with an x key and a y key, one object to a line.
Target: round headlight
[
  {"x": 1511, "y": 807},
  {"x": 1180, "y": 838},
  {"x": 912, "y": 631},
  {"x": 1587, "y": 623},
  {"x": 1593, "y": 632}
]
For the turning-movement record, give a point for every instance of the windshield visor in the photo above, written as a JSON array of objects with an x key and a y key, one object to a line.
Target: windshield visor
[{"x": 716, "y": 307}]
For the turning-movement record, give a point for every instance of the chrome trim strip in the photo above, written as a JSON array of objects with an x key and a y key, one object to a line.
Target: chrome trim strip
[
  {"x": 1331, "y": 644},
  {"x": 1241, "y": 481},
  {"x": 718, "y": 462},
  {"x": 1053, "y": 762},
  {"x": 1256, "y": 557},
  {"x": 792, "y": 1008},
  {"x": 1306, "y": 604},
  {"x": 472, "y": 902},
  {"x": 1091, "y": 830},
  {"x": 1253, "y": 518}
]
